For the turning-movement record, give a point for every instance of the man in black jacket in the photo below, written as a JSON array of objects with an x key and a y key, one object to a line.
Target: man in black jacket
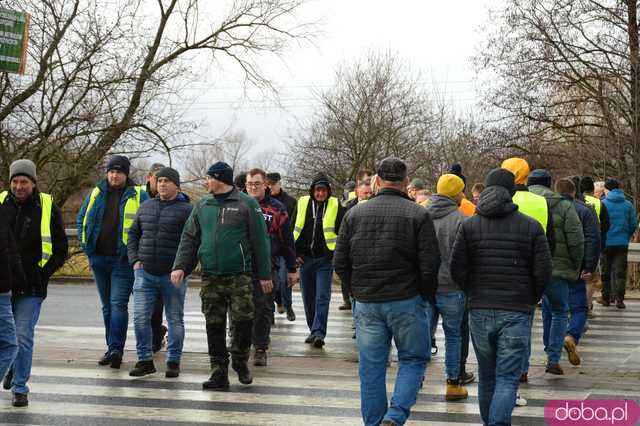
[
  {"x": 282, "y": 292},
  {"x": 502, "y": 261},
  {"x": 153, "y": 243},
  {"x": 387, "y": 254},
  {"x": 42, "y": 245},
  {"x": 10, "y": 270}
]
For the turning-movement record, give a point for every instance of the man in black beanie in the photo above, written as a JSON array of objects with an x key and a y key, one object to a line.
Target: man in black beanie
[{"x": 502, "y": 294}]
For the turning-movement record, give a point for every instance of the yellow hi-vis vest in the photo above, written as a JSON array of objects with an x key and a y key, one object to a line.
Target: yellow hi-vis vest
[
  {"x": 46, "y": 203},
  {"x": 595, "y": 202},
  {"x": 533, "y": 205},
  {"x": 130, "y": 210},
  {"x": 328, "y": 221}
]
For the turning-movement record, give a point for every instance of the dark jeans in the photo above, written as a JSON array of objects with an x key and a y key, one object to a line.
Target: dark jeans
[
  {"x": 614, "y": 272},
  {"x": 315, "y": 282},
  {"x": 156, "y": 322},
  {"x": 263, "y": 313},
  {"x": 577, "y": 309},
  {"x": 282, "y": 291},
  {"x": 8, "y": 339},
  {"x": 464, "y": 344},
  {"x": 500, "y": 342}
]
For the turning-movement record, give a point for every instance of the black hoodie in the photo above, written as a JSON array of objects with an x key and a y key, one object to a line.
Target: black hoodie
[
  {"x": 311, "y": 241},
  {"x": 501, "y": 257}
]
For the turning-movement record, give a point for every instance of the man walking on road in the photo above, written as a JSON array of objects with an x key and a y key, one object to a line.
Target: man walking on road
[
  {"x": 42, "y": 246},
  {"x": 226, "y": 233},
  {"x": 103, "y": 230},
  {"x": 317, "y": 222},
  {"x": 502, "y": 261},
  {"x": 394, "y": 286},
  {"x": 282, "y": 245},
  {"x": 153, "y": 243}
]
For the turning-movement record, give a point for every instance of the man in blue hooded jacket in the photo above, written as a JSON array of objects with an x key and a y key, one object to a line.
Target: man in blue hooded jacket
[{"x": 622, "y": 225}]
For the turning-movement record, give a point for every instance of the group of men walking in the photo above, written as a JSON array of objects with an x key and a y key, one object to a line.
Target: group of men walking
[{"x": 481, "y": 266}]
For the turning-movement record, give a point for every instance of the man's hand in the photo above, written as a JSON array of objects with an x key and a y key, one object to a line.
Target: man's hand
[
  {"x": 587, "y": 276},
  {"x": 292, "y": 278},
  {"x": 299, "y": 261},
  {"x": 177, "y": 277},
  {"x": 267, "y": 286},
  {"x": 137, "y": 265}
]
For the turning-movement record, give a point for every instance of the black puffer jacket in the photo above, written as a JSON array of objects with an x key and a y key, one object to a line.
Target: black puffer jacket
[
  {"x": 155, "y": 234},
  {"x": 501, "y": 257},
  {"x": 387, "y": 250},
  {"x": 10, "y": 267}
]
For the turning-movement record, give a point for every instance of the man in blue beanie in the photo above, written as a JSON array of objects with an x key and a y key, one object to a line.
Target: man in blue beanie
[{"x": 226, "y": 233}]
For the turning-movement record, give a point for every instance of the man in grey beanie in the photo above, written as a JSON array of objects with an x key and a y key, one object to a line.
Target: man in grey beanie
[{"x": 41, "y": 253}]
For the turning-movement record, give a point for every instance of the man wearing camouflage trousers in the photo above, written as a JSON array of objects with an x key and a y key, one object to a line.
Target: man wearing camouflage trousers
[{"x": 227, "y": 234}]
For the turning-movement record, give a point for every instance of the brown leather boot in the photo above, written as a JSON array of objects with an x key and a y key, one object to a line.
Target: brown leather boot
[
  {"x": 455, "y": 391},
  {"x": 571, "y": 347}
]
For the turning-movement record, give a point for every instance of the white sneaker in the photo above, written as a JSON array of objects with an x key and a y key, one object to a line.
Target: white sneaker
[{"x": 520, "y": 401}]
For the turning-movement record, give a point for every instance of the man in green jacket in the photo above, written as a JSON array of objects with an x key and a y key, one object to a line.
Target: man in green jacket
[
  {"x": 567, "y": 264},
  {"x": 227, "y": 234}
]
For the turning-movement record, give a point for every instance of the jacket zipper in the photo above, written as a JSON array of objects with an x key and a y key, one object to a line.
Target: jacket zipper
[{"x": 243, "y": 259}]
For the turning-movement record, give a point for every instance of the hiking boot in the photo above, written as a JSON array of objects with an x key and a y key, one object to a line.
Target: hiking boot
[
  {"x": 260, "y": 358},
  {"x": 161, "y": 340},
  {"x": 467, "y": 378},
  {"x": 244, "y": 375},
  {"x": 173, "y": 370},
  {"x": 571, "y": 347},
  {"x": 387, "y": 423},
  {"x": 106, "y": 359},
  {"x": 20, "y": 400},
  {"x": 6, "y": 383},
  {"x": 318, "y": 342},
  {"x": 455, "y": 391},
  {"x": 291, "y": 316},
  {"x": 620, "y": 304},
  {"x": 310, "y": 338},
  {"x": 345, "y": 307},
  {"x": 116, "y": 359},
  {"x": 280, "y": 309},
  {"x": 219, "y": 380},
  {"x": 602, "y": 301},
  {"x": 554, "y": 368},
  {"x": 520, "y": 401},
  {"x": 524, "y": 378},
  {"x": 143, "y": 368}
]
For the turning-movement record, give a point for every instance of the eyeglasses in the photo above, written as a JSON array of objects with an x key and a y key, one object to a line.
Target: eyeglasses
[{"x": 254, "y": 184}]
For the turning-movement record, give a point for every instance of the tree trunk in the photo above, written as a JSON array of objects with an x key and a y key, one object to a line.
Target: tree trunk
[{"x": 634, "y": 59}]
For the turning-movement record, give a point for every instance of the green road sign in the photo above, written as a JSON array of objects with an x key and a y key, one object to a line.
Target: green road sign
[{"x": 14, "y": 39}]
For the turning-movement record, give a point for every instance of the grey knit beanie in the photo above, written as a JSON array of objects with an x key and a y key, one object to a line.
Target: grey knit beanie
[{"x": 23, "y": 167}]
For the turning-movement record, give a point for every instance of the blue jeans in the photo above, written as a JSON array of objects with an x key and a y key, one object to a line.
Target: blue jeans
[
  {"x": 26, "y": 311},
  {"x": 577, "y": 308},
  {"x": 114, "y": 279},
  {"x": 525, "y": 362},
  {"x": 147, "y": 288},
  {"x": 8, "y": 339},
  {"x": 500, "y": 342},
  {"x": 282, "y": 292},
  {"x": 316, "y": 275},
  {"x": 555, "y": 308},
  {"x": 451, "y": 308},
  {"x": 407, "y": 322}
]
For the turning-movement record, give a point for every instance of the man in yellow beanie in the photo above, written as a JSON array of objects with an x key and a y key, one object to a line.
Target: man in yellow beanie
[{"x": 450, "y": 300}]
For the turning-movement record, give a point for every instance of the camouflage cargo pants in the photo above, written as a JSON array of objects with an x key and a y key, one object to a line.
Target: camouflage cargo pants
[{"x": 219, "y": 295}]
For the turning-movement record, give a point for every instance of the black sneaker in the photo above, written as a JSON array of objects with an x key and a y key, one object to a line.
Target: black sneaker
[
  {"x": 291, "y": 316},
  {"x": 524, "y": 378},
  {"x": 310, "y": 338},
  {"x": 244, "y": 375},
  {"x": 620, "y": 304},
  {"x": 6, "y": 383},
  {"x": 467, "y": 378},
  {"x": 106, "y": 359},
  {"x": 143, "y": 368},
  {"x": 173, "y": 370},
  {"x": 161, "y": 340},
  {"x": 116, "y": 359},
  {"x": 318, "y": 342},
  {"x": 260, "y": 358},
  {"x": 20, "y": 400},
  {"x": 219, "y": 380}
]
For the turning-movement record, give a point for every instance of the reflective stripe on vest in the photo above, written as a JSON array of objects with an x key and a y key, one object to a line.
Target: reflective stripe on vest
[
  {"x": 328, "y": 221},
  {"x": 533, "y": 205},
  {"x": 130, "y": 210},
  {"x": 46, "y": 204},
  {"x": 595, "y": 202}
]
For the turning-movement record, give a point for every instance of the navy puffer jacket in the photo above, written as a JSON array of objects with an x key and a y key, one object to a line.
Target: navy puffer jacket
[{"x": 155, "y": 234}]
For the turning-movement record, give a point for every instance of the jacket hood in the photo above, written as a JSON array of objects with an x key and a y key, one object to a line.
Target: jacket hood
[
  {"x": 553, "y": 198},
  {"x": 616, "y": 196},
  {"x": 320, "y": 178},
  {"x": 183, "y": 198},
  {"x": 440, "y": 206},
  {"x": 495, "y": 201}
]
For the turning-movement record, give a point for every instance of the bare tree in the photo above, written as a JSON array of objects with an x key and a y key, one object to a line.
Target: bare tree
[{"x": 107, "y": 79}]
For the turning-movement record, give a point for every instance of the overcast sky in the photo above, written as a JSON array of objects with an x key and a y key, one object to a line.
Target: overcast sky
[{"x": 436, "y": 38}]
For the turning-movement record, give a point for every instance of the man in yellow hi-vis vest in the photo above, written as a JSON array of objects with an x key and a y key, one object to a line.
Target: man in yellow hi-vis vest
[
  {"x": 317, "y": 220},
  {"x": 103, "y": 231},
  {"x": 42, "y": 245}
]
